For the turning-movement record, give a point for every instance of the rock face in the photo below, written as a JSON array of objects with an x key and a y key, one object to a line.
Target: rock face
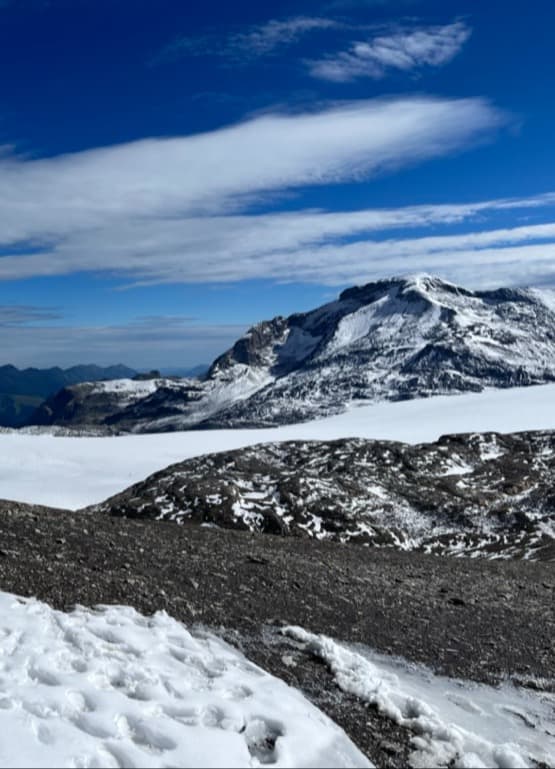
[
  {"x": 485, "y": 495},
  {"x": 90, "y": 404},
  {"x": 389, "y": 340}
]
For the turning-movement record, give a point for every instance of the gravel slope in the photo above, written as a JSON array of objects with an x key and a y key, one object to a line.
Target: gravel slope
[{"x": 474, "y": 619}]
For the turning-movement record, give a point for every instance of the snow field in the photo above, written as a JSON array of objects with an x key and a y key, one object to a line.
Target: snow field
[
  {"x": 136, "y": 388},
  {"x": 76, "y": 472},
  {"x": 112, "y": 688},
  {"x": 457, "y": 724}
]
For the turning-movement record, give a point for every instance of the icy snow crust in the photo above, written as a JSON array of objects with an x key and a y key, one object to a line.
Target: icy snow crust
[
  {"x": 456, "y": 723},
  {"x": 77, "y": 472},
  {"x": 111, "y": 688}
]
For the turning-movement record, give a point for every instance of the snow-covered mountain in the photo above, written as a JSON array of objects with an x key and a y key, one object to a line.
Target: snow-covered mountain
[
  {"x": 480, "y": 494},
  {"x": 90, "y": 404},
  {"x": 389, "y": 340}
]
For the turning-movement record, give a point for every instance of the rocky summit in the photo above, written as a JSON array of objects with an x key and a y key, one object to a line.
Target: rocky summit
[
  {"x": 486, "y": 495},
  {"x": 389, "y": 340}
]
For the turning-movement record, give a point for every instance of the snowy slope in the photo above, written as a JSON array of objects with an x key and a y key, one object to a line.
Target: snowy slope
[
  {"x": 455, "y": 723},
  {"x": 91, "y": 403},
  {"x": 76, "y": 472},
  {"x": 390, "y": 340},
  {"x": 409, "y": 338},
  {"x": 112, "y": 688}
]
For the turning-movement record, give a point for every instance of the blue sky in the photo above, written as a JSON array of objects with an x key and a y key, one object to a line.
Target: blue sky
[{"x": 173, "y": 172}]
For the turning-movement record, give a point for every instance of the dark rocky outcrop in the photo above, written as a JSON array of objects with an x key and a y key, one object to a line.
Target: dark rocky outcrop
[{"x": 484, "y": 495}]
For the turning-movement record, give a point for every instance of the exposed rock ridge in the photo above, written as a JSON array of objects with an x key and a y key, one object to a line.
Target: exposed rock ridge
[{"x": 485, "y": 495}]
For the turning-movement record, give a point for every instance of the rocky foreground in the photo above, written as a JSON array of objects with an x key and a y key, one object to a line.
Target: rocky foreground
[
  {"x": 473, "y": 618},
  {"x": 486, "y": 495}
]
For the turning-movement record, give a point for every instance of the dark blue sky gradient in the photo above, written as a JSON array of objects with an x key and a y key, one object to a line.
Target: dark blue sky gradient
[{"x": 80, "y": 74}]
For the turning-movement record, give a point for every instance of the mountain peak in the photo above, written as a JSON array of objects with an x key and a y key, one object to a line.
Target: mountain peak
[
  {"x": 421, "y": 283},
  {"x": 425, "y": 282},
  {"x": 409, "y": 336}
]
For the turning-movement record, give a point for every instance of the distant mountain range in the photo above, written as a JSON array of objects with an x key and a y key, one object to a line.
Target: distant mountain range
[
  {"x": 389, "y": 340},
  {"x": 22, "y": 390}
]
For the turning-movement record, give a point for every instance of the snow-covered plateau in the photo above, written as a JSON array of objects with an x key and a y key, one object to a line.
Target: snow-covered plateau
[{"x": 74, "y": 472}]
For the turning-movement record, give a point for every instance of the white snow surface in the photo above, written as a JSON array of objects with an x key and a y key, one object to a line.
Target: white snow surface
[
  {"x": 111, "y": 688},
  {"x": 73, "y": 472},
  {"x": 547, "y": 296},
  {"x": 136, "y": 387},
  {"x": 455, "y": 723}
]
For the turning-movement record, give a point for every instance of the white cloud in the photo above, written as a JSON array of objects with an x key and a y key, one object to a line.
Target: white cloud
[
  {"x": 483, "y": 259},
  {"x": 259, "y": 40},
  {"x": 170, "y": 210},
  {"x": 308, "y": 246},
  {"x": 275, "y": 34},
  {"x": 48, "y": 199},
  {"x": 401, "y": 50}
]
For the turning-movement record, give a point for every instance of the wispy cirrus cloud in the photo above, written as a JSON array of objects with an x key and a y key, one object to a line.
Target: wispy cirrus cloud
[
  {"x": 256, "y": 41},
  {"x": 330, "y": 248},
  {"x": 177, "y": 210},
  {"x": 274, "y": 34},
  {"x": 23, "y": 315},
  {"x": 399, "y": 49},
  {"x": 160, "y": 338},
  {"x": 487, "y": 258},
  {"x": 44, "y": 201}
]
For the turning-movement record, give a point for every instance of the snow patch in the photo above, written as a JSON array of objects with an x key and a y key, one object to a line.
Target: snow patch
[
  {"x": 455, "y": 723},
  {"x": 136, "y": 387},
  {"x": 111, "y": 688},
  {"x": 456, "y": 466}
]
